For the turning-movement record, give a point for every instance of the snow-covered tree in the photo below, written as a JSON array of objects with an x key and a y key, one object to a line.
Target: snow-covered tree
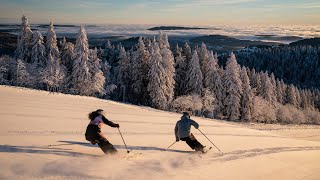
[
  {"x": 233, "y": 89},
  {"x": 67, "y": 56},
  {"x": 203, "y": 59},
  {"x": 194, "y": 76},
  {"x": 157, "y": 75},
  {"x": 191, "y": 103},
  {"x": 180, "y": 75},
  {"x": 247, "y": 96},
  {"x": 139, "y": 71},
  {"x": 81, "y": 77},
  {"x": 123, "y": 74},
  {"x": 291, "y": 95},
  {"x": 168, "y": 65},
  {"x": 207, "y": 102},
  {"x": 51, "y": 42},
  {"x": 53, "y": 75},
  {"x": 23, "y": 77},
  {"x": 258, "y": 84},
  {"x": 279, "y": 92},
  {"x": 263, "y": 112},
  {"x": 97, "y": 76},
  {"x": 24, "y": 41},
  {"x": 38, "y": 52},
  {"x": 267, "y": 88},
  {"x": 213, "y": 81},
  {"x": 186, "y": 52}
]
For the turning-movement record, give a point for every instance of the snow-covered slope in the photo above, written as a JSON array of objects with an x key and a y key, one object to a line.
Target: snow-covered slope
[{"x": 42, "y": 136}]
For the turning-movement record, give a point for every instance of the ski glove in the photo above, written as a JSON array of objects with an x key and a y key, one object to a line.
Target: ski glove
[{"x": 117, "y": 125}]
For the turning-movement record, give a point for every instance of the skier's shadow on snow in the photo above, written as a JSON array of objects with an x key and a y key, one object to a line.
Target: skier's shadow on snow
[
  {"x": 42, "y": 150},
  {"x": 139, "y": 148}
]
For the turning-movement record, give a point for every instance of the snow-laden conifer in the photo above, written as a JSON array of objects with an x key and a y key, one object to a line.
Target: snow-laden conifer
[
  {"x": 123, "y": 74},
  {"x": 38, "y": 52},
  {"x": 247, "y": 96},
  {"x": 23, "y": 77},
  {"x": 267, "y": 89},
  {"x": 97, "y": 76},
  {"x": 157, "y": 80},
  {"x": 53, "y": 75},
  {"x": 279, "y": 92},
  {"x": 213, "y": 81},
  {"x": 291, "y": 95},
  {"x": 194, "y": 76},
  {"x": 203, "y": 59},
  {"x": 180, "y": 75},
  {"x": 51, "y": 42},
  {"x": 81, "y": 77},
  {"x": 24, "y": 41},
  {"x": 67, "y": 56},
  {"x": 168, "y": 65},
  {"x": 233, "y": 89},
  {"x": 207, "y": 102},
  {"x": 139, "y": 72}
]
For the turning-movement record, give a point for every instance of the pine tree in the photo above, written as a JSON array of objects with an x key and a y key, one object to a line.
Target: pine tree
[
  {"x": 24, "y": 41},
  {"x": 97, "y": 76},
  {"x": 291, "y": 95},
  {"x": 23, "y": 77},
  {"x": 53, "y": 75},
  {"x": 180, "y": 76},
  {"x": 258, "y": 84},
  {"x": 213, "y": 81},
  {"x": 233, "y": 88},
  {"x": 123, "y": 74},
  {"x": 267, "y": 89},
  {"x": 247, "y": 96},
  {"x": 38, "y": 51},
  {"x": 81, "y": 77},
  {"x": 207, "y": 102},
  {"x": 67, "y": 56},
  {"x": 194, "y": 76},
  {"x": 168, "y": 65},
  {"x": 203, "y": 59},
  {"x": 157, "y": 79},
  {"x": 298, "y": 97},
  {"x": 279, "y": 92},
  {"x": 186, "y": 52},
  {"x": 51, "y": 42},
  {"x": 139, "y": 72}
]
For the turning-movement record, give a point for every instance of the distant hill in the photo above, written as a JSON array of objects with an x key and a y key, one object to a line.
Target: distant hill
[
  {"x": 8, "y": 43},
  {"x": 222, "y": 43},
  {"x": 174, "y": 28},
  {"x": 307, "y": 42}
]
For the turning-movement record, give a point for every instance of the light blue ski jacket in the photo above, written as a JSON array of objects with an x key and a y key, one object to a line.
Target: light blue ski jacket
[{"x": 183, "y": 127}]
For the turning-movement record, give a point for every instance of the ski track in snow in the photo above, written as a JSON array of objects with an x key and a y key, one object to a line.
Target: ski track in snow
[{"x": 42, "y": 137}]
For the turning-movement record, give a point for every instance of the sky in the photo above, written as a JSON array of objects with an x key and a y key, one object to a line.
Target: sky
[{"x": 165, "y": 12}]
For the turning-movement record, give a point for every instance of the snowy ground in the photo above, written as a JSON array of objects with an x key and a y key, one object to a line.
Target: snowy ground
[{"x": 42, "y": 137}]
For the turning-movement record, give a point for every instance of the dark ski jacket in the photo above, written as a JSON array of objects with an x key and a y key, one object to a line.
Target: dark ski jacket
[
  {"x": 183, "y": 127},
  {"x": 95, "y": 125}
]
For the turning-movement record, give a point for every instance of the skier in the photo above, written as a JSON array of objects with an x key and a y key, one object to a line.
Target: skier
[
  {"x": 182, "y": 132},
  {"x": 93, "y": 132}
]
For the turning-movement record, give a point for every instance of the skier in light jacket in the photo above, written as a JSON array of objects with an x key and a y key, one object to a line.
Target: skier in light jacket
[{"x": 182, "y": 132}]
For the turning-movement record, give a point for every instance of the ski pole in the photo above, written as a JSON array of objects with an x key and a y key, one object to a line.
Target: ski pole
[
  {"x": 123, "y": 141},
  {"x": 209, "y": 140},
  {"x": 170, "y": 146}
]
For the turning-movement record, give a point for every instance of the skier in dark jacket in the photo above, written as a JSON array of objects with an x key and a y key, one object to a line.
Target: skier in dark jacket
[
  {"x": 93, "y": 132},
  {"x": 182, "y": 132}
]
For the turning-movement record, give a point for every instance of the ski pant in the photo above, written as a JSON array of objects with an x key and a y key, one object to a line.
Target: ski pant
[
  {"x": 103, "y": 143},
  {"x": 193, "y": 142}
]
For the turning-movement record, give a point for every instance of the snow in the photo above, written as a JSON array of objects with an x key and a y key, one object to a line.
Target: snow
[{"x": 42, "y": 137}]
